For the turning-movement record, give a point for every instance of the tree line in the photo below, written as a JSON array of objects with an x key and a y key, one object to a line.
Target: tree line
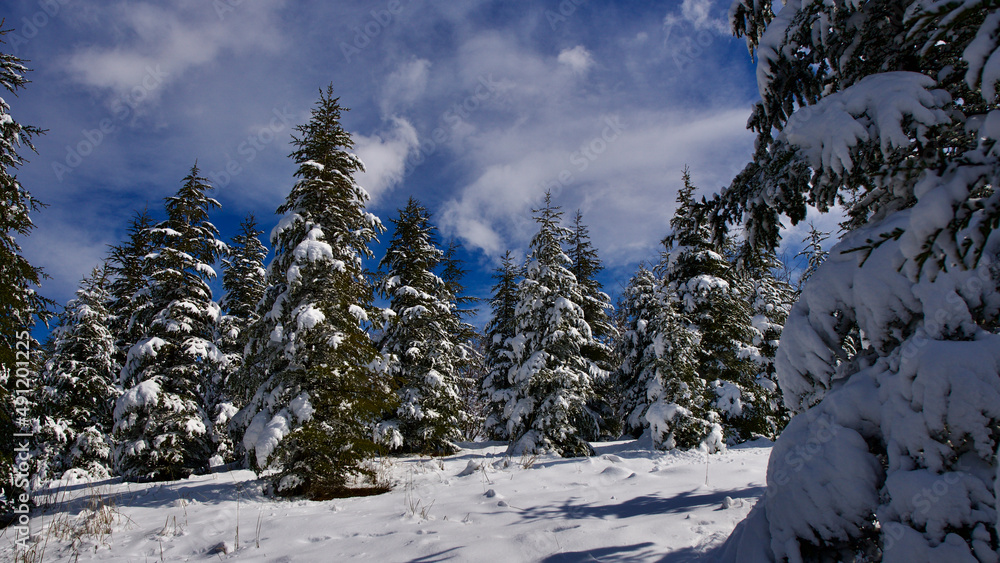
[{"x": 297, "y": 374}]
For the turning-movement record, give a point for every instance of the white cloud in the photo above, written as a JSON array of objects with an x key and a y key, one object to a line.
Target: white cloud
[
  {"x": 699, "y": 14},
  {"x": 404, "y": 86},
  {"x": 624, "y": 179},
  {"x": 578, "y": 59},
  {"x": 66, "y": 254},
  {"x": 545, "y": 131},
  {"x": 384, "y": 155},
  {"x": 163, "y": 43}
]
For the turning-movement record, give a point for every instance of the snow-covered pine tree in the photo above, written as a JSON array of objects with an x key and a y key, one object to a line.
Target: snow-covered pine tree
[
  {"x": 661, "y": 390},
  {"x": 78, "y": 388},
  {"x": 638, "y": 304},
  {"x": 453, "y": 273},
  {"x": 162, "y": 428},
  {"x": 597, "y": 308},
  {"x": 20, "y": 304},
  {"x": 551, "y": 379},
  {"x": 423, "y": 341},
  {"x": 498, "y": 358},
  {"x": 322, "y": 386},
  {"x": 890, "y": 109},
  {"x": 128, "y": 288},
  {"x": 769, "y": 299},
  {"x": 470, "y": 368},
  {"x": 244, "y": 281},
  {"x": 702, "y": 282}
]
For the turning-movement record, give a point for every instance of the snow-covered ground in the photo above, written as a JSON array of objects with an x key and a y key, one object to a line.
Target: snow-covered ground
[{"x": 625, "y": 504}]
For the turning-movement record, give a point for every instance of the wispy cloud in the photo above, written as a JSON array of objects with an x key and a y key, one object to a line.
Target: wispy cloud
[
  {"x": 384, "y": 155},
  {"x": 472, "y": 107},
  {"x": 703, "y": 15},
  {"x": 152, "y": 38},
  {"x": 578, "y": 59}
]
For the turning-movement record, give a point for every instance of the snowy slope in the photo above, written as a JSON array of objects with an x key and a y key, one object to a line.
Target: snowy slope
[{"x": 625, "y": 504}]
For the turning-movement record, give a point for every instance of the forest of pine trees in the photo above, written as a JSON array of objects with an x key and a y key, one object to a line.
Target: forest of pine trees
[
  {"x": 297, "y": 372},
  {"x": 882, "y": 356}
]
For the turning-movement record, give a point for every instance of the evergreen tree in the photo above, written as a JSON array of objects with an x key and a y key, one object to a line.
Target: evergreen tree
[
  {"x": 888, "y": 108},
  {"x": 703, "y": 283},
  {"x": 470, "y": 368},
  {"x": 162, "y": 425},
  {"x": 470, "y": 391},
  {"x": 453, "y": 274},
  {"x": 552, "y": 380},
  {"x": 586, "y": 265},
  {"x": 322, "y": 386},
  {"x": 244, "y": 281},
  {"x": 662, "y": 392},
  {"x": 769, "y": 300},
  {"x": 128, "y": 287},
  {"x": 498, "y": 358},
  {"x": 424, "y": 341},
  {"x": 78, "y": 387},
  {"x": 20, "y": 304}
]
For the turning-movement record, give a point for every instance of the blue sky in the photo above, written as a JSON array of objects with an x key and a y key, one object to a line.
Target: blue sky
[{"x": 473, "y": 107}]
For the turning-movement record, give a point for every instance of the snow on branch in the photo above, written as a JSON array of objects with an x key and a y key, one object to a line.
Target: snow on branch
[{"x": 878, "y": 108}]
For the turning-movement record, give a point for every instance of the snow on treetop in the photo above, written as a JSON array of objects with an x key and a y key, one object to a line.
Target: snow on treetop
[
  {"x": 313, "y": 249},
  {"x": 284, "y": 223},
  {"x": 314, "y": 164},
  {"x": 201, "y": 348},
  {"x": 308, "y": 316},
  {"x": 301, "y": 407},
  {"x": 704, "y": 283},
  {"x": 142, "y": 349},
  {"x": 165, "y": 231},
  {"x": 358, "y": 313},
  {"x": 263, "y": 434},
  {"x": 144, "y": 394},
  {"x": 205, "y": 269}
]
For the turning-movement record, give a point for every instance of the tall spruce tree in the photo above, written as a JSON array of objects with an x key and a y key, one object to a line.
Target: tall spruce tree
[
  {"x": 769, "y": 300},
  {"x": 586, "y": 265},
  {"x": 498, "y": 357},
  {"x": 20, "y": 304},
  {"x": 78, "y": 387},
  {"x": 470, "y": 365},
  {"x": 244, "y": 281},
  {"x": 551, "y": 378},
  {"x": 128, "y": 288},
  {"x": 888, "y": 108},
  {"x": 322, "y": 385},
  {"x": 703, "y": 283},
  {"x": 453, "y": 274},
  {"x": 661, "y": 391},
  {"x": 420, "y": 341},
  {"x": 162, "y": 423}
]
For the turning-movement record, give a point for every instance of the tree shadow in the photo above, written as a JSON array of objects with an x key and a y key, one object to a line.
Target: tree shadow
[
  {"x": 639, "y": 506},
  {"x": 637, "y": 553}
]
